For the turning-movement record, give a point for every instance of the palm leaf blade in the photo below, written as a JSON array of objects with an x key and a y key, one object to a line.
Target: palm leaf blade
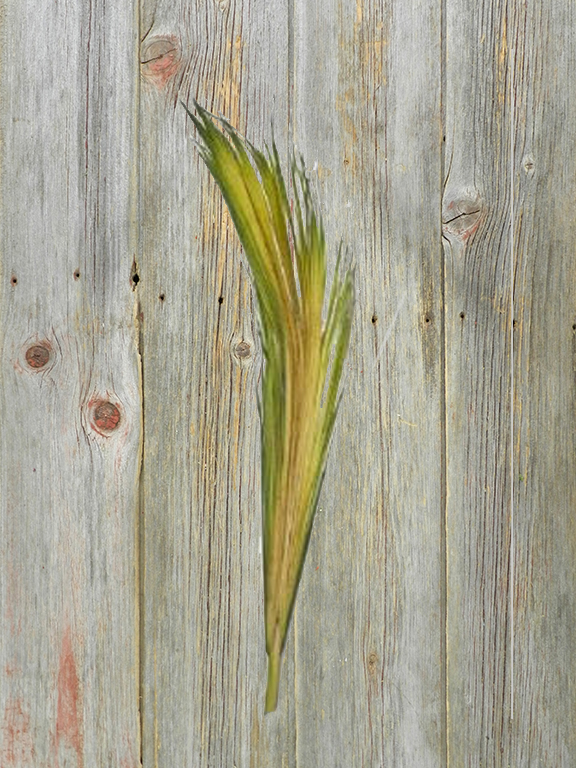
[{"x": 284, "y": 251}]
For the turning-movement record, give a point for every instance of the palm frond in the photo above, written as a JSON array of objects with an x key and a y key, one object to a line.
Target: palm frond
[{"x": 304, "y": 356}]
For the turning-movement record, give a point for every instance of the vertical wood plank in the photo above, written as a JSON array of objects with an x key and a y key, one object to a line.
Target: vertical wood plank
[
  {"x": 369, "y": 622},
  {"x": 545, "y": 393},
  {"x": 476, "y": 215},
  {"x": 70, "y": 392},
  {"x": 204, "y": 663}
]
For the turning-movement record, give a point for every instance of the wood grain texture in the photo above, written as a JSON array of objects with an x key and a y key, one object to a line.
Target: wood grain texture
[
  {"x": 476, "y": 216},
  {"x": 545, "y": 393},
  {"x": 369, "y": 622},
  {"x": 68, "y": 468},
  {"x": 204, "y": 663},
  {"x": 123, "y": 298}
]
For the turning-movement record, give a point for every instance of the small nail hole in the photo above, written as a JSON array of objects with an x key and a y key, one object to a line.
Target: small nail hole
[
  {"x": 136, "y": 278},
  {"x": 374, "y": 319},
  {"x": 14, "y": 280},
  {"x": 161, "y": 297},
  {"x": 76, "y": 274},
  {"x": 220, "y": 299},
  {"x": 574, "y": 327},
  {"x": 426, "y": 319},
  {"x": 462, "y": 315}
]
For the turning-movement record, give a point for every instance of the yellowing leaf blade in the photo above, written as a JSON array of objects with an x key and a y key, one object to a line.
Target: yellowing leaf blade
[{"x": 295, "y": 427}]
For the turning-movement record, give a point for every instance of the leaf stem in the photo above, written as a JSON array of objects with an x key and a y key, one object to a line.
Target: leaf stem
[{"x": 274, "y": 660}]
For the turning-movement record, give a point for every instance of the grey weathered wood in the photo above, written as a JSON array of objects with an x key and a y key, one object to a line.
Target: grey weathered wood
[
  {"x": 68, "y": 495},
  {"x": 486, "y": 686},
  {"x": 545, "y": 393},
  {"x": 369, "y": 622},
  {"x": 400, "y": 649},
  {"x": 476, "y": 216},
  {"x": 204, "y": 663}
]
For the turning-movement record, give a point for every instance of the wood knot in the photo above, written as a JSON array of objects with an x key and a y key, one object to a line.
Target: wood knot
[
  {"x": 105, "y": 416},
  {"x": 160, "y": 59},
  {"x": 372, "y": 663},
  {"x": 38, "y": 355},
  {"x": 529, "y": 165},
  {"x": 462, "y": 215},
  {"x": 242, "y": 350}
]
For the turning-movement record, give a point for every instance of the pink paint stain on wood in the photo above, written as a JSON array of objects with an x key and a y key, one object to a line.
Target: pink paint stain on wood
[
  {"x": 13, "y": 598},
  {"x": 68, "y": 719},
  {"x": 17, "y": 746},
  {"x": 131, "y": 755}
]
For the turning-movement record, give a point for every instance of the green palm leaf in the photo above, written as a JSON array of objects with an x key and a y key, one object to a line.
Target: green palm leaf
[{"x": 295, "y": 425}]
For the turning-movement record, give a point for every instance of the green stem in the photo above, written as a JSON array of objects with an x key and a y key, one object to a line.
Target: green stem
[{"x": 274, "y": 659}]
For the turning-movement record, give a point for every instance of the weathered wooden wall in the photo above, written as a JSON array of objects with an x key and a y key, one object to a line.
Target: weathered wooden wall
[
  {"x": 70, "y": 369},
  {"x": 434, "y": 621}
]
